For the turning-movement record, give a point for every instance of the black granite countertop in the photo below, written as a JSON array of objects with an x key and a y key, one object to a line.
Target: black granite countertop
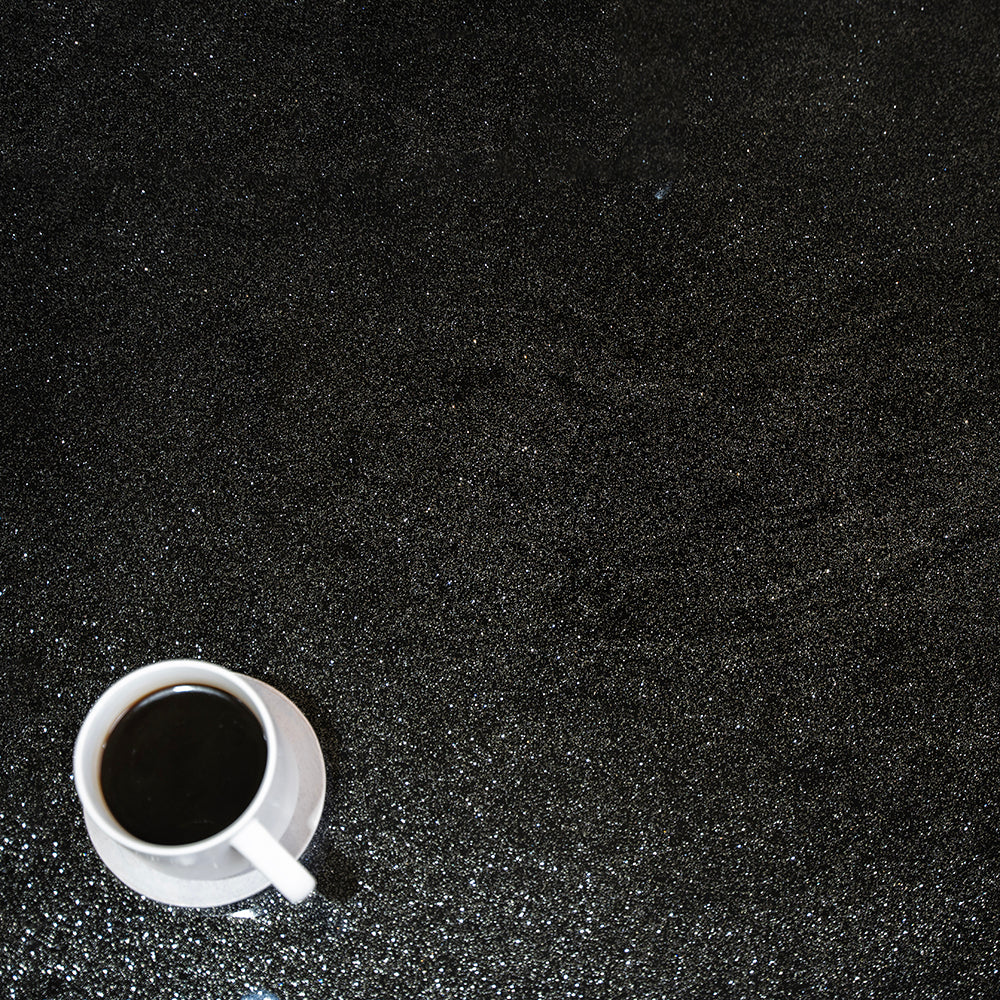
[{"x": 587, "y": 417}]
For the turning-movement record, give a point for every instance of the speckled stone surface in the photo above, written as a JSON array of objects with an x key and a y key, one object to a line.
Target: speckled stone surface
[{"x": 589, "y": 420}]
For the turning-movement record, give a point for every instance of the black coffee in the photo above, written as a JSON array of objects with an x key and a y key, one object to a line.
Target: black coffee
[{"x": 182, "y": 764}]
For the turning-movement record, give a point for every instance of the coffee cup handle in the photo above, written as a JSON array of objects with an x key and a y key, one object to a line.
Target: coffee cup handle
[{"x": 273, "y": 861}]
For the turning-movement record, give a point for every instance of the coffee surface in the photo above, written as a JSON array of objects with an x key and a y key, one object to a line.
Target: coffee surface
[{"x": 182, "y": 764}]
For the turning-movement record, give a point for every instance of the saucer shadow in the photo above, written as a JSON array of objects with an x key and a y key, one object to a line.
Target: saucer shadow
[{"x": 336, "y": 876}]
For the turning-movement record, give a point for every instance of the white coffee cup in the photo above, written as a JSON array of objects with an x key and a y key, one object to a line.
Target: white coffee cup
[{"x": 250, "y": 841}]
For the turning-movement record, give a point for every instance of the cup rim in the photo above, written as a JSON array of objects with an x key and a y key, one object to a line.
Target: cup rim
[{"x": 124, "y": 693}]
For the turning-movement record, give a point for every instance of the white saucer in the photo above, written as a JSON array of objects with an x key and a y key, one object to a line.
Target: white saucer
[{"x": 149, "y": 882}]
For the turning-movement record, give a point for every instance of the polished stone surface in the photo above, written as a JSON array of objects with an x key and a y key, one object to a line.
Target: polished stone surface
[{"x": 588, "y": 421}]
